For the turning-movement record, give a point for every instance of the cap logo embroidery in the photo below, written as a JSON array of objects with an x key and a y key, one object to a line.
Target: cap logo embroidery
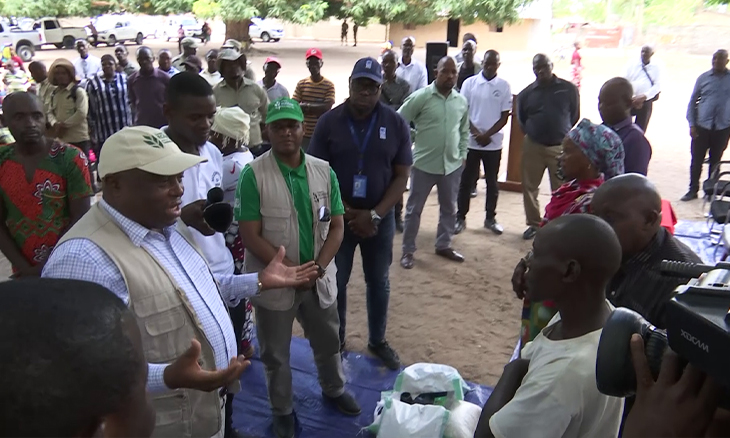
[
  {"x": 154, "y": 141},
  {"x": 368, "y": 64}
]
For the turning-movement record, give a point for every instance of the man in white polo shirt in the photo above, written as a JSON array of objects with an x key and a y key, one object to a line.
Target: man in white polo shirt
[
  {"x": 412, "y": 71},
  {"x": 490, "y": 102}
]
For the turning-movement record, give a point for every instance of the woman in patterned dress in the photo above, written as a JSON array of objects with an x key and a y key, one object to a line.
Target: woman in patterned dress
[{"x": 591, "y": 154}]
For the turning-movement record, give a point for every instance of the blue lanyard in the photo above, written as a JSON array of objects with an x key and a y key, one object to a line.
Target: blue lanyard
[{"x": 361, "y": 147}]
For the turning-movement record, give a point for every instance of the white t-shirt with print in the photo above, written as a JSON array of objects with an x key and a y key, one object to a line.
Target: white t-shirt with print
[
  {"x": 233, "y": 164},
  {"x": 558, "y": 396},
  {"x": 487, "y": 101},
  {"x": 197, "y": 181}
]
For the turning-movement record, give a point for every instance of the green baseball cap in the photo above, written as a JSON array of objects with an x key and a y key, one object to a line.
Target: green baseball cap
[{"x": 284, "y": 109}]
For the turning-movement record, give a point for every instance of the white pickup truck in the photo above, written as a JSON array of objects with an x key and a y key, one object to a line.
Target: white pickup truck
[
  {"x": 25, "y": 42},
  {"x": 58, "y": 35}
]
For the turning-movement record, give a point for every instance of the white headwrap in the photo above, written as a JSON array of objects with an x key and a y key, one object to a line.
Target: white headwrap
[{"x": 232, "y": 122}]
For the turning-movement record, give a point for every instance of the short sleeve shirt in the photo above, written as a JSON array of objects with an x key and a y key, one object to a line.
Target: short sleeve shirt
[
  {"x": 251, "y": 98},
  {"x": 389, "y": 145},
  {"x": 309, "y": 91},
  {"x": 249, "y": 206},
  {"x": 38, "y": 212},
  {"x": 487, "y": 100}
]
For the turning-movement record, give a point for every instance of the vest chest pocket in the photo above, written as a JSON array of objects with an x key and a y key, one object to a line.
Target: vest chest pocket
[
  {"x": 275, "y": 225},
  {"x": 166, "y": 335},
  {"x": 172, "y": 417}
]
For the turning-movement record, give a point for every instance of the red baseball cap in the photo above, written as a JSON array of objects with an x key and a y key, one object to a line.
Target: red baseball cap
[
  {"x": 314, "y": 52},
  {"x": 272, "y": 59}
]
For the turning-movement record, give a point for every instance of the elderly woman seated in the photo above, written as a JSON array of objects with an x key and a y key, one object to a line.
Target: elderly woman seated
[{"x": 591, "y": 154}]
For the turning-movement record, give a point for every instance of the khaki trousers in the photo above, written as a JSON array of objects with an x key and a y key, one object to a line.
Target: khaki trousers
[
  {"x": 321, "y": 328},
  {"x": 535, "y": 159}
]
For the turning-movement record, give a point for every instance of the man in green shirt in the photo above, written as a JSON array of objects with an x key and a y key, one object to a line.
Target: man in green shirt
[
  {"x": 440, "y": 115},
  {"x": 289, "y": 199}
]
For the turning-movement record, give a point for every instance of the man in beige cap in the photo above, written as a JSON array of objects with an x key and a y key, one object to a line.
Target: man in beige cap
[
  {"x": 237, "y": 46},
  {"x": 237, "y": 90},
  {"x": 134, "y": 243},
  {"x": 189, "y": 47}
]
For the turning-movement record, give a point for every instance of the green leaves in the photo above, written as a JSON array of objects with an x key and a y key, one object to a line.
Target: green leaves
[{"x": 153, "y": 141}]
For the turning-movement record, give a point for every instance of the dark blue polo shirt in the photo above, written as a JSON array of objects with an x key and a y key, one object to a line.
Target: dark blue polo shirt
[{"x": 389, "y": 145}]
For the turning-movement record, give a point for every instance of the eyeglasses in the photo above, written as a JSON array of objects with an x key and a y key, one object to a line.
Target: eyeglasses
[{"x": 367, "y": 87}]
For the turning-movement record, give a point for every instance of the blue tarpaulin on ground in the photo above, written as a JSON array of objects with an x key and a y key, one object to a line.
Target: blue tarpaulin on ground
[
  {"x": 366, "y": 379},
  {"x": 696, "y": 235}
]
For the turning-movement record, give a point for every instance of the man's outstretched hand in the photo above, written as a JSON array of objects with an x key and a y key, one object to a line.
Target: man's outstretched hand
[
  {"x": 278, "y": 275},
  {"x": 185, "y": 372},
  {"x": 679, "y": 403}
]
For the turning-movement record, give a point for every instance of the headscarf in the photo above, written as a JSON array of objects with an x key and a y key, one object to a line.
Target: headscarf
[
  {"x": 233, "y": 123},
  {"x": 61, "y": 63},
  {"x": 601, "y": 146}
]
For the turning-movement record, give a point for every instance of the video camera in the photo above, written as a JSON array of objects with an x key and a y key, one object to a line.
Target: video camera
[{"x": 698, "y": 330}]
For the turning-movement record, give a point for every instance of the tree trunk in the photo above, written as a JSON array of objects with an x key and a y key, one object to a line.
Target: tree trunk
[{"x": 238, "y": 30}]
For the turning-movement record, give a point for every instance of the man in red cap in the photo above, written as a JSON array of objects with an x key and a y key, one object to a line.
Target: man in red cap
[
  {"x": 315, "y": 94},
  {"x": 275, "y": 90}
]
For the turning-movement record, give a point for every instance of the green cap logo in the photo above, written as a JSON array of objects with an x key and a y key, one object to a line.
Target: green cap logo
[{"x": 156, "y": 141}]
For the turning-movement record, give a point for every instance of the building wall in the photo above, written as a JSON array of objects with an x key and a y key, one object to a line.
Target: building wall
[
  {"x": 523, "y": 35},
  {"x": 330, "y": 30}
]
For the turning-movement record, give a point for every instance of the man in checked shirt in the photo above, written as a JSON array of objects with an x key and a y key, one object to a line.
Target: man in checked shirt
[{"x": 133, "y": 243}]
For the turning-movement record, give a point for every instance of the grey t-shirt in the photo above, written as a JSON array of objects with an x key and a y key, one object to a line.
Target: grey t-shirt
[{"x": 277, "y": 91}]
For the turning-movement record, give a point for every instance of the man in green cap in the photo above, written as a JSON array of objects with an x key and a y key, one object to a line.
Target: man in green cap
[
  {"x": 291, "y": 199},
  {"x": 189, "y": 48}
]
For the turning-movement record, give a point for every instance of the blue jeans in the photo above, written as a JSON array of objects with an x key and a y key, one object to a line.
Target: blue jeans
[{"x": 377, "y": 255}]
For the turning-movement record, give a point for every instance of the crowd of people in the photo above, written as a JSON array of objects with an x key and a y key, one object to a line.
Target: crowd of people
[{"x": 170, "y": 294}]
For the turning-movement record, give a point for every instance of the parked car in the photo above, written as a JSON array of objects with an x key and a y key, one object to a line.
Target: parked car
[
  {"x": 115, "y": 29},
  {"x": 25, "y": 42},
  {"x": 266, "y": 30},
  {"x": 58, "y": 35},
  {"x": 191, "y": 26}
]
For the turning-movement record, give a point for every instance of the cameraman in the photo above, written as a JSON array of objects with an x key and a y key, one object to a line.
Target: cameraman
[
  {"x": 679, "y": 403},
  {"x": 632, "y": 206}
]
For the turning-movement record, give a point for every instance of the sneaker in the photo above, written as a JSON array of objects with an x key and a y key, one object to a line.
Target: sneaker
[
  {"x": 460, "y": 226},
  {"x": 491, "y": 224},
  {"x": 345, "y": 403},
  {"x": 473, "y": 193},
  {"x": 689, "y": 196},
  {"x": 529, "y": 233},
  {"x": 386, "y": 354}
]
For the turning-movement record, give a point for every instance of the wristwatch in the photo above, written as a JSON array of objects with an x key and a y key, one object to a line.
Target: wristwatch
[
  {"x": 320, "y": 270},
  {"x": 375, "y": 217}
]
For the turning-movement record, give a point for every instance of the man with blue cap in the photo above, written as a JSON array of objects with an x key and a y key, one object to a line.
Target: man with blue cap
[
  {"x": 291, "y": 199},
  {"x": 369, "y": 147}
]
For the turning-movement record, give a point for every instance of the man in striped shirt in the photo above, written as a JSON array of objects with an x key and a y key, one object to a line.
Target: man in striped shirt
[
  {"x": 109, "y": 110},
  {"x": 315, "y": 94}
]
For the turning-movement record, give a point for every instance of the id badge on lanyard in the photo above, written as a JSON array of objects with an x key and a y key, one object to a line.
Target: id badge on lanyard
[{"x": 360, "y": 181}]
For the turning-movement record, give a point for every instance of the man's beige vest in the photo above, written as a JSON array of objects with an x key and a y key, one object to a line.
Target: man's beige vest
[
  {"x": 166, "y": 321},
  {"x": 280, "y": 227}
]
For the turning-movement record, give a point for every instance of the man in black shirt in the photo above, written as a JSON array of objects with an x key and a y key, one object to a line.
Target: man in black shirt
[
  {"x": 546, "y": 109},
  {"x": 632, "y": 206}
]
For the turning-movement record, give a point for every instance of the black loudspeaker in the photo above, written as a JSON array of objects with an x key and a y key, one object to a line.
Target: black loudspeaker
[{"x": 434, "y": 52}]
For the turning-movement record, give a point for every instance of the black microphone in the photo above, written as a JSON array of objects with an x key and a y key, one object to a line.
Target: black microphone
[{"x": 217, "y": 214}]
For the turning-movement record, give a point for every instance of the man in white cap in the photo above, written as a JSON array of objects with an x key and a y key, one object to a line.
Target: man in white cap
[
  {"x": 238, "y": 47},
  {"x": 237, "y": 90},
  {"x": 133, "y": 243},
  {"x": 189, "y": 47}
]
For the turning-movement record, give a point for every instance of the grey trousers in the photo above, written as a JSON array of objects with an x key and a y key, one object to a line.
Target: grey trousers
[
  {"x": 321, "y": 327},
  {"x": 421, "y": 185}
]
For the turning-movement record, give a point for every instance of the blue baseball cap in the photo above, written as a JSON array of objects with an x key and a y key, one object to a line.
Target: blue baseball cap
[{"x": 368, "y": 68}]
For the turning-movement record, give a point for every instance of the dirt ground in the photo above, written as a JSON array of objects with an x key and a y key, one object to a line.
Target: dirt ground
[{"x": 466, "y": 315}]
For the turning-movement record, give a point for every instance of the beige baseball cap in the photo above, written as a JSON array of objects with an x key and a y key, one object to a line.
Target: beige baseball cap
[{"x": 144, "y": 148}]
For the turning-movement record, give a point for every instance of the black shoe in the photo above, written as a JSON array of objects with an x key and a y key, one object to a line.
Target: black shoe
[
  {"x": 460, "y": 226},
  {"x": 345, "y": 403},
  {"x": 689, "y": 196},
  {"x": 529, "y": 233},
  {"x": 473, "y": 193},
  {"x": 284, "y": 426},
  {"x": 399, "y": 224},
  {"x": 491, "y": 224},
  {"x": 386, "y": 354}
]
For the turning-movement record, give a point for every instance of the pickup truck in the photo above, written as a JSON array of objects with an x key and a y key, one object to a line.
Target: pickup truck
[
  {"x": 59, "y": 36},
  {"x": 25, "y": 42}
]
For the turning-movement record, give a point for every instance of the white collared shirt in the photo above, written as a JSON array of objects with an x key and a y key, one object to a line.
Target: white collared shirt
[
  {"x": 487, "y": 101},
  {"x": 87, "y": 68},
  {"x": 414, "y": 73},
  {"x": 212, "y": 78},
  {"x": 640, "y": 81}
]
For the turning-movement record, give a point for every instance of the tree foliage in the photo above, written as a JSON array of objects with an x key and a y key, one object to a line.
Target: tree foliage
[{"x": 656, "y": 12}]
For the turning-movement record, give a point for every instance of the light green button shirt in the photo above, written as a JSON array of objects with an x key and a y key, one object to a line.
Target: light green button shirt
[{"x": 442, "y": 129}]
